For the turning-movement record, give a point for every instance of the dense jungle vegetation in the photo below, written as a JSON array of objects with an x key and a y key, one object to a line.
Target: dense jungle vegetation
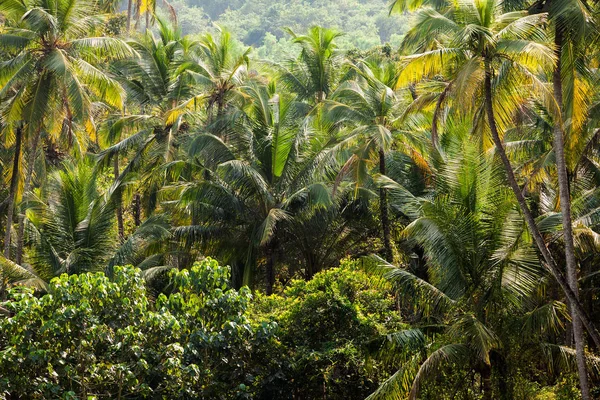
[{"x": 268, "y": 208}]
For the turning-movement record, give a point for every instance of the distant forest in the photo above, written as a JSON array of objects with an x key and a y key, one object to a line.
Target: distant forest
[{"x": 262, "y": 23}]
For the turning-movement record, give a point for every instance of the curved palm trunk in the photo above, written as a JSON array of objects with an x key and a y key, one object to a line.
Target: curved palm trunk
[
  {"x": 436, "y": 115},
  {"x": 537, "y": 236},
  {"x": 14, "y": 180},
  {"x": 383, "y": 205},
  {"x": 565, "y": 206},
  {"x": 26, "y": 189}
]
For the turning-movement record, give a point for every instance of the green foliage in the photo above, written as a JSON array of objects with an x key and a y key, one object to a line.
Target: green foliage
[
  {"x": 329, "y": 327},
  {"x": 367, "y": 23},
  {"x": 319, "y": 143},
  {"x": 91, "y": 336}
]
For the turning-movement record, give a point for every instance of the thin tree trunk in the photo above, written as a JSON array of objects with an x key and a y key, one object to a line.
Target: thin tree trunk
[
  {"x": 486, "y": 382},
  {"x": 137, "y": 210},
  {"x": 119, "y": 208},
  {"x": 129, "y": 7},
  {"x": 26, "y": 189},
  {"x": 310, "y": 267},
  {"x": 12, "y": 194},
  {"x": 383, "y": 205},
  {"x": 436, "y": 114},
  {"x": 413, "y": 91},
  {"x": 270, "y": 268},
  {"x": 138, "y": 15},
  {"x": 502, "y": 374},
  {"x": 537, "y": 236},
  {"x": 565, "y": 206}
]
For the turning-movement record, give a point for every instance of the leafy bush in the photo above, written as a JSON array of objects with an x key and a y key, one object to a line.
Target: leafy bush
[
  {"x": 329, "y": 327},
  {"x": 91, "y": 336}
]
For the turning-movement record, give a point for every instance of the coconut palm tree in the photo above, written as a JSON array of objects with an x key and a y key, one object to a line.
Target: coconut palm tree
[
  {"x": 50, "y": 76},
  {"x": 313, "y": 76},
  {"x": 219, "y": 70},
  {"x": 70, "y": 229},
  {"x": 162, "y": 96},
  {"x": 499, "y": 51},
  {"x": 371, "y": 111},
  {"x": 573, "y": 27},
  {"x": 248, "y": 186},
  {"x": 482, "y": 275}
]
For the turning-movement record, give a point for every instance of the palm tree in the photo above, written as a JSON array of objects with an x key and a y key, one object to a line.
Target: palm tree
[
  {"x": 321, "y": 236},
  {"x": 314, "y": 74},
  {"x": 370, "y": 109},
  {"x": 249, "y": 184},
  {"x": 163, "y": 94},
  {"x": 50, "y": 75},
  {"x": 219, "y": 70},
  {"x": 485, "y": 43},
  {"x": 571, "y": 29},
  {"x": 482, "y": 276},
  {"x": 71, "y": 230}
]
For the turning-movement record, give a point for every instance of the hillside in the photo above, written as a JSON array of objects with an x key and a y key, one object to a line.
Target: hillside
[{"x": 262, "y": 23}]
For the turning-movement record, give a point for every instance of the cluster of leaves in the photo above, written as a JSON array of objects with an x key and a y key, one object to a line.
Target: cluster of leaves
[
  {"x": 329, "y": 328},
  {"x": 91, "y": 336}
]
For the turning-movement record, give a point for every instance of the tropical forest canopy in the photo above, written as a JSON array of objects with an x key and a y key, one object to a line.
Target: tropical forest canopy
[
  {"x": 266, "y": 200},
  {"x": 263, "y": 24}
]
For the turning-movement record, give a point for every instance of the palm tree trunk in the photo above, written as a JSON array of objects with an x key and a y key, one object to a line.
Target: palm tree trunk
[
  {"x": 501, "y": 371},
  {"x": 129, "y": 7},
  {"x": 137, "y": 15},
  {"x": 137, "y": 210},
  {"x": 26, "y": 189},
  {"x": 565, "y": 206},
  {"x": 270, "y": 267},
  {"x": 383, "y": 205},
  {"x": 537, "y": 236},
  {"x": 119, "y": 208},
  {"x": 486, "y": 382},
  {"x": 436, "y": 115},
  {"x": 12, "y": 194}
]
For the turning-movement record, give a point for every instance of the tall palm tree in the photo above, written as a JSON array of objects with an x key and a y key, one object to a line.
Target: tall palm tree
[
  {"x": 218, "y": 69},
  {"x": 314, "y": 74},
  {"x": 370, "y": 109},
  {"x": 50, "y": 76},
  {"x": 500, "y": 51},
  {"x": 249, "y": 184},
  {"x": 162, "y": 97},
  {"x": 572, "y": 26},
  {"x": 482, "y": 276}
]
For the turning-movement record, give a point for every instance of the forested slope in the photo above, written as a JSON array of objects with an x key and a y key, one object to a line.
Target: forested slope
[{"x": 262, "y": 23}]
